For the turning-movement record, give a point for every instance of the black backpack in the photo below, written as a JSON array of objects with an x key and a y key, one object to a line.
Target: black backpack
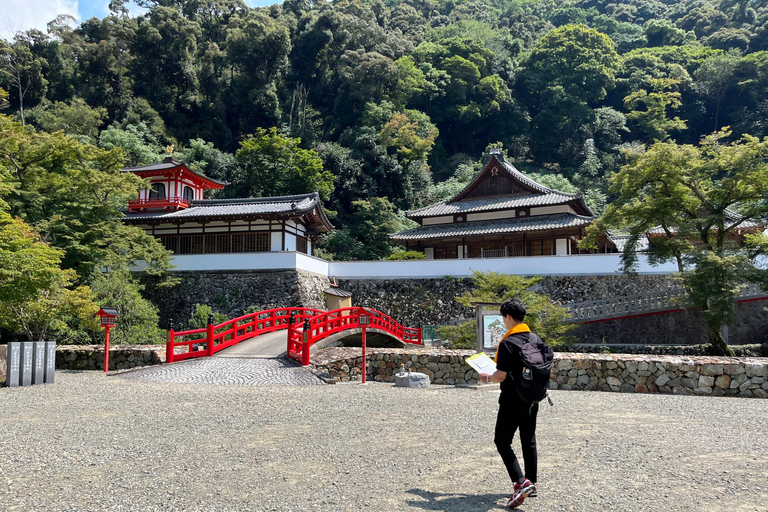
[{"x": 531, "y": 386}]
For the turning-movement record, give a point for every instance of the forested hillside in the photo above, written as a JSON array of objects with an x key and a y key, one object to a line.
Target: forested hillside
[{"x": 387, "y": 106}]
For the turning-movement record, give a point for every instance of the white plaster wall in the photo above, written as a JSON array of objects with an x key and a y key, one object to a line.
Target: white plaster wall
[
  {"x": 276, "y": 241},
  {"x": 544, "y": 210},
  {"x": 290, "y": 242},
  {"x": 582, "y": 264},
  {"x": 490, "y": 215},
  {"x": 437, "y": 220},
  {"x": 561, "y": 246}
]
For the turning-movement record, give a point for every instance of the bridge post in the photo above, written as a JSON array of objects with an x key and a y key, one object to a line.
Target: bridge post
[
  {"x": 169, "y": 343},
  {"x": 209, "y": 336},
  {"x": 305, "y": 343}
]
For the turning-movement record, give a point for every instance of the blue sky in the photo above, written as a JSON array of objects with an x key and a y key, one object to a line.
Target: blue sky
[{"x": 25, "y": 14}]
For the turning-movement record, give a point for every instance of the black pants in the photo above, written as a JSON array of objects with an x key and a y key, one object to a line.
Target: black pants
[{"x": 514, "y": 414}]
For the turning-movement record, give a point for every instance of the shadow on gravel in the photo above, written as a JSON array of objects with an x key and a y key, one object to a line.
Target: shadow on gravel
[{"x": 455, "y": 502}]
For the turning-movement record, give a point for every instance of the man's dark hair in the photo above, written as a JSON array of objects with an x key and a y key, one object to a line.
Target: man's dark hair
[{"x": 513, "y": 308}]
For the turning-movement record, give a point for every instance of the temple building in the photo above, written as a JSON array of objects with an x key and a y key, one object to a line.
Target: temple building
[
  {"x": 174, "y": 211},
  {"x": 502, "y": 213}
]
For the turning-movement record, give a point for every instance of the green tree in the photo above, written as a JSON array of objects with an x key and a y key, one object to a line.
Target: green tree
[
  {"x": 658, "y": 103},
  {"x": 138, "y": 318},
  {"x": 702, "y": 199},
  {"x": 365, "y": 235},
  {"x": 73, "y": 195},
  {"x": 34, "y": 294},
  {"x": 543, "y": 317},
  {"x": 569, "y": 68},
  {"x": 76, "y": 118},
  {"x": 22, "y": 71},
  {"x": 273, "y": 165},
  {"x": 714, "y": 77},
  {"x": 138, "y": 143}
]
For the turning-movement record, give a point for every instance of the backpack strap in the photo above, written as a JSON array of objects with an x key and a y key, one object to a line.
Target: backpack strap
[{"x": 517, "y": 339}]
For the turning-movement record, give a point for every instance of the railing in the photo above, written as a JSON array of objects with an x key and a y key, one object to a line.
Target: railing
[
  {"x": 494, "y": 253},
  {"x": 644, "y": 304},
  {"x": 327, "y": 323},
  {"x": 158, "y": 202},
  {"x": 231, "y": 332}
]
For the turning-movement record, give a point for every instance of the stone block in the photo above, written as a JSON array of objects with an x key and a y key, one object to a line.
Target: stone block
[
  {"x": 703, "y": 390},
  {"x": 689, "y": 383},
  {"x": 662, "y": 380},
  {"x": 733, "y": 369},
  {"x": 705, "y": 381},
  {"x": 723, "y": 381},
  {"x": 613, "y": 382},
  {"x": 711, "y": 369},
  {"x": 640, "y": 388},
  {"x": 756, "y": 370},
  {"x": 627, "y": 388}
]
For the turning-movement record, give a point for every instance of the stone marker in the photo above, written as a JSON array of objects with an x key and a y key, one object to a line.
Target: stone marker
[
  {"x": 38, "y": 362},
  {"x": 50, "y": 361},
  {"x": 13, "y": 364},
  {"x": 26, "y": 363},
  {"x": 412, "y": 380}
]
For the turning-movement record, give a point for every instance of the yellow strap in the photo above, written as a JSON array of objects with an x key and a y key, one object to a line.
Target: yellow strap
[{"x": 521, "y": 327}]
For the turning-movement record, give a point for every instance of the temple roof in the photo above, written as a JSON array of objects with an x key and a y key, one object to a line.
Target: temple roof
[
  {"x": 279, "y": 205},
  {"x": 169, "y": 163},
  {"x": 552, "y": 198},
  {"x": 491, "y": 227},
  {"x": 524, "y": 192}
]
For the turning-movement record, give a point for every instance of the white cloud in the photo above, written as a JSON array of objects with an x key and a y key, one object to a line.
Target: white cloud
[{"x": 25, "y": 14}]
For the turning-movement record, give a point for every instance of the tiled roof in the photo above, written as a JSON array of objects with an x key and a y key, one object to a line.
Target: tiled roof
[
  {"x": 620, "y": 241},
  {"x": 534, "y": 223},
  {"x": 731, "y": 215},
  {"x": 171, "y": 163},
  {"x": 493, "y": 203},
  {"x": 299, "y": 204}
]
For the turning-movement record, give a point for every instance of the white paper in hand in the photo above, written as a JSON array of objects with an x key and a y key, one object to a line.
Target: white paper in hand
[{"x": 482, "y": 363}]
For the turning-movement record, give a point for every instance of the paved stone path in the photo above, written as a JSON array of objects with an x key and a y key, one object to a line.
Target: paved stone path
[{"x": 215, "y": 370}]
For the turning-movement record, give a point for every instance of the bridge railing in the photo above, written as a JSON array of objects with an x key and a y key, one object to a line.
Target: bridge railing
[
  {"x": 231, "y": 332},
  {"x": 645, "y": 304},
  {"x": 327, "y": 323}
]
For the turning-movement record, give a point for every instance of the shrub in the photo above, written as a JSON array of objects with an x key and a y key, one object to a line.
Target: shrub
[{"x": 407, "y": 255}]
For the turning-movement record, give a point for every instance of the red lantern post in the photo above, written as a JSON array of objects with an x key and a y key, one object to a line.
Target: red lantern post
[
  {"x": 108, "y": 316},
  {"x": 362, "y": 320}
]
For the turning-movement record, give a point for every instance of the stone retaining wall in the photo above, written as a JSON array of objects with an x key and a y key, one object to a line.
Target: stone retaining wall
[
  {"x": 715, "y": 376},
  {"x": 91, "y": 357},
  {"x": 233, "y": 293},
  {"x": 441, "y": 365}
]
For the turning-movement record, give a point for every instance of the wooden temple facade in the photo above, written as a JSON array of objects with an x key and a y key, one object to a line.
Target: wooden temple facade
[
  {"x": 175, "y": 212},
  {"x": 501, "y": 213}
]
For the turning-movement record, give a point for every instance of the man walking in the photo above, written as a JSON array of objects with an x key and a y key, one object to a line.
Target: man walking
[{"x": 514, "y": 413}]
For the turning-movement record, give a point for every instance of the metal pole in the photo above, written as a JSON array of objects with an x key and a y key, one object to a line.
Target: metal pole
[
  {"x": 365, "y": 370},
  {"x": 106, "y": 349}
]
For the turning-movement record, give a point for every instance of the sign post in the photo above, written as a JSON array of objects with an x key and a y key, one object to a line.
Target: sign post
[{"x": 13, "y": 368}]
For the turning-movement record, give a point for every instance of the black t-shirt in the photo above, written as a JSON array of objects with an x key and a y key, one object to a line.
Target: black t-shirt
[{"x": 509, "y": 360}]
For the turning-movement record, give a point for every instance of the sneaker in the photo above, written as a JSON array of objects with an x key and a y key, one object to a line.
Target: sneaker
[{"x": 523, "y": 490}]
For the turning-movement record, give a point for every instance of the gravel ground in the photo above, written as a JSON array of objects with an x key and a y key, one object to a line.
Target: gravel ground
[{"x": 92, "y": 442}]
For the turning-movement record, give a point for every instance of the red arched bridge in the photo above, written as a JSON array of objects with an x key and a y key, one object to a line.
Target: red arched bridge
[{"x": 306, "y": 327}]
